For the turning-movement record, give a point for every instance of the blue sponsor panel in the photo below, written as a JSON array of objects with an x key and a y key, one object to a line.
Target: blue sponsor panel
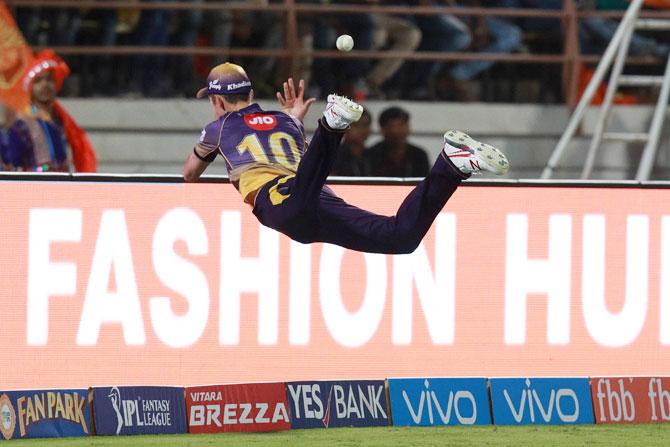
[
  {"x": 44, "y": 414},
  {"x": 350, "y": 403},
  {"x": 439, "y": 401},
  {"x": 541, "y": 401},
  {"x": 139, "y": 410}
]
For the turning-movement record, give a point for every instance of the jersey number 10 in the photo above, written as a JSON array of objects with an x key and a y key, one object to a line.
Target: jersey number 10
[{"x": 282, "y": 149}]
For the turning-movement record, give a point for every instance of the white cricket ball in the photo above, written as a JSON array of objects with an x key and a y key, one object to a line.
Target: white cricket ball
[{"x": 345, "y": 42}]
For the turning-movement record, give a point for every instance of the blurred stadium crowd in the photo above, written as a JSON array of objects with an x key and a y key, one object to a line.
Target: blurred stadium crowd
[{"x": 179, "y": 76}]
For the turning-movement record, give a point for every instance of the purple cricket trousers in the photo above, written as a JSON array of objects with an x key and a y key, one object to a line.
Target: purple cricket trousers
[{"x": 310, "y": 212}]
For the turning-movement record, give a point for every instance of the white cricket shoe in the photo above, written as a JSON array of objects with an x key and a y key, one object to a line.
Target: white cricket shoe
[
  {"x": 471, "y": 156},
  {"x": 341, "y": 112}
]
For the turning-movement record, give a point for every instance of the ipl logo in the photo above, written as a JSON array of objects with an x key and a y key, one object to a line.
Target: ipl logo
[
  {"x": 115, "y": 398},
  {"x": 7, "y": 417}
]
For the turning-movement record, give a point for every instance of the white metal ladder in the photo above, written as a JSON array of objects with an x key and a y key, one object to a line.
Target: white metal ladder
[{"x": 619, "y": 45}]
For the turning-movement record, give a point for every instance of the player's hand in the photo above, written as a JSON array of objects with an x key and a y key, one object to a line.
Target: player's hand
[{"x": 294, "y": 103}]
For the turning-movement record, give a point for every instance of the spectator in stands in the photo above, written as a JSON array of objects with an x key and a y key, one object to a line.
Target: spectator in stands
[
  {"x": 98, "y": 79},
  {"x": 223, "y": 29},
  {"x": 49, "y": 26},
  {"x": 393, "y": 33},
  {"x": 339, "y": 75},
  {"x": 359, "y": 78},
  {"x": 394, "y": 156},
  {"x": 259, "y": 29},
  {"x": 152, "y": 30},
  {"x": 353, "y": 159},
  {"x": 44, "y": 137},
  {"x": 595, "y": 33},
  {"x": 490, "y": 34},
  {"x": 443, "y": 33}
]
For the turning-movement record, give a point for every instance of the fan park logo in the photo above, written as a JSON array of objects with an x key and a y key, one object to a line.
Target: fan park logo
[{"x": 7, "y": 417}]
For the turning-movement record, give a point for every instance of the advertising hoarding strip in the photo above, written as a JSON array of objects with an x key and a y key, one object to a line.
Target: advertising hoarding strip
[
  {"x": 344, "y": 403},
  {"x": 439, "y": 401},
  {"x": 541, "y": 400},
  {"x": 630, "y": 400},
  {"x": 249, "y": 407},
  {"x": 633, "y": 400},
  {"x": 44, "y": 413},
  {"x": 139, "y": 410}
]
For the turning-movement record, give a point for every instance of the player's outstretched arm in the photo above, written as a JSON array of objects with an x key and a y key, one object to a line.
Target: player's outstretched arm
[
  {"x": 293, "y": 103},
  {"x": 193, "y": 168}
]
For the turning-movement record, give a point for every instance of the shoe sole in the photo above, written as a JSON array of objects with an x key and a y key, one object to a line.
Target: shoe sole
[
  {"x": 493, "y": 160},
  {"x": 352, "y": 109}
]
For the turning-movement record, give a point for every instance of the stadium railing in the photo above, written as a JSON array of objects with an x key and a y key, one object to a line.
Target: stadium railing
[
  {"x": 333, "y": 180},
  {"x": 570, "y": 59}
]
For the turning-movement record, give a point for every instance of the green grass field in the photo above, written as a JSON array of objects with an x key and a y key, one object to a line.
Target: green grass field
[{"x": 584, "y": 435}]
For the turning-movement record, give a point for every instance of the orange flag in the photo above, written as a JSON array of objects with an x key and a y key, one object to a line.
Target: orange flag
[{"x": 16, "y": 55}]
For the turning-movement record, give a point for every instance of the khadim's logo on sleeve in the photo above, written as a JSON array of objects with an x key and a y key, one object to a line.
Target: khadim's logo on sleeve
[{"x": 7, "y": 417}]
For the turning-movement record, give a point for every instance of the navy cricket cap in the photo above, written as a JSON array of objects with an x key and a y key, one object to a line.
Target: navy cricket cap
[{"x": 226, "y": 79}]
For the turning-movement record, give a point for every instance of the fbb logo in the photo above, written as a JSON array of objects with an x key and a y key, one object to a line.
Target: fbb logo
[
  {"x": 631, "y": 399},
  {"x": 259, "y": 121},
  {"x": 613, "y": 402}
]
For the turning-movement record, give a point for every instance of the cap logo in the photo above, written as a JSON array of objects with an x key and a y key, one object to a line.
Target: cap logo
[
  {"x": 235, "y": 86},
  {"x": 214, "y": 85}
]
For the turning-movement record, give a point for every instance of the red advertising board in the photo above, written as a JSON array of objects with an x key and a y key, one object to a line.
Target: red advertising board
[
  {"x": 640, "y": 400},
  {"x": 237, "y": 408}
]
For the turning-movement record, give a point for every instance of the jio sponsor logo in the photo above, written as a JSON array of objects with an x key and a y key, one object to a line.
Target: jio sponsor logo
[{"x": 259, "y": 121}]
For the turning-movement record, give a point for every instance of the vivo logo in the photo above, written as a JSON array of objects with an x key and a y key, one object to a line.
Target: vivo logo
[
  {"x": 430, "y": 403},
  {"x": 537, "y": 407}
]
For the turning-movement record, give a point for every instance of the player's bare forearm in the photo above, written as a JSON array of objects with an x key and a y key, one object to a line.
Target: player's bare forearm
[
  {"x": 292, "y": 102},
  {"x": 193, "y": 168}
]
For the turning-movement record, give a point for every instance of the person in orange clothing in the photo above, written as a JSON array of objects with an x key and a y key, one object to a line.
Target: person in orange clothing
[{"x": 44, "y": 137}]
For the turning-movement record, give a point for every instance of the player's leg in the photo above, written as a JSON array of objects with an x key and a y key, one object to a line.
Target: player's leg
[
  {"x": 289, "y": 204},
  {"x": 317, "y": 162},
  {"x": 343, "y": 224},
  {"x": 300, "y": 193},
  {"x": 357, "y": 229}
]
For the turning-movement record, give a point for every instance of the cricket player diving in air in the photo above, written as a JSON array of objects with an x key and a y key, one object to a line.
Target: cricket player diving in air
[{"x": 283, "y": 177}]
